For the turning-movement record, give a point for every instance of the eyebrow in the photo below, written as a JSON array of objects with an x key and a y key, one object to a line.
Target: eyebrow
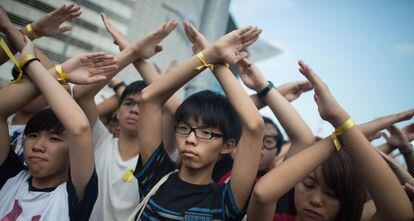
[{"x": 313, "y": 177}]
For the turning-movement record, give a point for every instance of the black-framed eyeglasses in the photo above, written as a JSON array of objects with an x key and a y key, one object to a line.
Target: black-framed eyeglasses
[
  {"x": 269, "y": 142},
  {"x": 200, "y": 132}
]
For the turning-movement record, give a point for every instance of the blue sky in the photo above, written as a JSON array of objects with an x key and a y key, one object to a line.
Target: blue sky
[{"x": 363, "y": 50}]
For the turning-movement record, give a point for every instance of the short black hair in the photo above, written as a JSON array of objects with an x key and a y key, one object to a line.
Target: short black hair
[
  {"x": 279, "y": 136},
  {"x": 214, "y": 110},
  {"x": 132, "y": 88},
  {"x": 44, "y": 120}
]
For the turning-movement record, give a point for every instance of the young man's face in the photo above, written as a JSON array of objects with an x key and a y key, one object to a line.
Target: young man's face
[
  {"x": 314, "y": 200},
  {"x": 268, "y": 153},
  {"x": 128, "y": 113},
  {"x": 46, "y": 154},
  {"x": 198, "y": 152}
]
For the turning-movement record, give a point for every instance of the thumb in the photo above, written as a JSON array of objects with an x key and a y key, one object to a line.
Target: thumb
[{"x": 64, "y": 28}]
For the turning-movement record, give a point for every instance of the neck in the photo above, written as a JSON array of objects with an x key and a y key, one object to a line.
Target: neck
[
  {"x": 128, "y": 145},
  {"x": 50, "y": 181},
  {"x": 200, "y": 176},
  {"x": 21, "y": 118}
]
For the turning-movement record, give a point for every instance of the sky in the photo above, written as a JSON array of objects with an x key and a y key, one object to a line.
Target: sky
[{"x": 363, "y": 50}]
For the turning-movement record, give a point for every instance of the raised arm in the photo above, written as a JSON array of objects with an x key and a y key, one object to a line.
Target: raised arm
[
  {"x": 143, "y": 49},
  {"x": 226, "y": 49},
  {"x": 297, "y": 130},
  {"x": 49, "y": 24},
  {"x": 78, "y": 132},
  {"x": 382, "y": 184}
]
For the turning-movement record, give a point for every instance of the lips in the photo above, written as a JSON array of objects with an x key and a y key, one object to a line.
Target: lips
[
  {"x": 131, "y": 120},
  {"x": 312, "y": 214},
  {"x": 36, "y": 159},
  {"x": 189, "y": 153}
]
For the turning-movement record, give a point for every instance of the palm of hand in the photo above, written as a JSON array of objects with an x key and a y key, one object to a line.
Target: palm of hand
[{"x": 49, "y": 24}]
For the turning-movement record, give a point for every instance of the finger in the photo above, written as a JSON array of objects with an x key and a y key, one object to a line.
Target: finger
[
  {"x": 73, "y": 15},
  {"x": 64, "y": 28},
  {"x": 240, "y": 56},
  {"x": 385, "y": 136},
  {"x": 394, "y": 130},
  {"x": 105, "y": 63},
  {"x": 96, "y": 78},
  {"x": 158, "y": 48},
  {"x": 248, "y": 43},
  {"x": 190, "y": 35},
  {"x": 248, "y": 37},
  {"x": 74, "y": 9},
  {"x": 308, "y": 73},
  {"x": 377, "y": 136},
  {"x": 103, "y": 70},
  {"x": 305, "y": 86},
  {"x": 249, "y": 33},
  {"x": 94, "y": 55},
  {"x": 241, "y": 32},
  {"x": 68, "y": 7}
]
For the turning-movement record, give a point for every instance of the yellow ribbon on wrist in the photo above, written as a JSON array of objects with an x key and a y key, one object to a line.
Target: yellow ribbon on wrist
[
  {"x": 205, "y": 64},
  {"x": 26, "y": 59},
  {"x": 6, "y": 50},
  {"x": 128, "y": 176},
  {"x": 32, "y": 34},
  {"x": 341, "y": 130},
  {"x": 62, "y": 75}
]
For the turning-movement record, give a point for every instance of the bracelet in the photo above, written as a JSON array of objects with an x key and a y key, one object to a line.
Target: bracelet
[
  {"x": 62, "y": 75},
  {"x": 32, "y": 34},
  {"x": 265, "y": 90},
  {"x": 205, "y": 64},
  {"x": 341, "y": 130},
  {"x": 116, "y": 87},
  {"x": 6, "y": 50},
  {"x": 25, "y": 60}
]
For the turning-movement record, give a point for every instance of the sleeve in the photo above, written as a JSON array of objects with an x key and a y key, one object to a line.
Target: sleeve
[
  {"x": 158, "y": 165},
  {"x": 99, "y": 134},
  {"x": 10, "y": 168},
  {"x": 230, "y": 207},
  {"x": 82, "y": 210}
]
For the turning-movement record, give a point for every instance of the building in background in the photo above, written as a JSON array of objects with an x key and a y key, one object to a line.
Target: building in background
[{"x": 135, "y": 19}]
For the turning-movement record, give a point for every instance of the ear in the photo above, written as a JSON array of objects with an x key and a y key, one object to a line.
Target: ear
[{"x": 229, "y": 146}]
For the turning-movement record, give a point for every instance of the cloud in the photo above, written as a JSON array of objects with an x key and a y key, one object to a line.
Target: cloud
[{"x": 404, "y": 48}]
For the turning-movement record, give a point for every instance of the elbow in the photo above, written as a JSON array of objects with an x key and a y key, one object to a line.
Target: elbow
[
  {"x": 83, "y": 128},
  {"x": 255, "y": 126},
  {"x": 261, "y": 194}
]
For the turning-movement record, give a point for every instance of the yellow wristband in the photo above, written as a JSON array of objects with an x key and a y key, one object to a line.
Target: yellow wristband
[
  {"x": 62, "y": 75},
  {"x": 32, "y": 34},
  {"x": 25, "y": 59},
  {"x": 341, "y": 130},
  {"x": 203, "y": 60},
  {"x": 128, "y": 176},
  {"x": 6, "y": 50}
]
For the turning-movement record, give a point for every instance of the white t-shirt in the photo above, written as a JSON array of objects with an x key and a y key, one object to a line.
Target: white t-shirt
[
  {"x": 118, "y": 196},
  {"x": 20, "y": 201}
]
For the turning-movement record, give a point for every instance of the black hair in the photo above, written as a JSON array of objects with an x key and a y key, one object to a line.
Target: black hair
[
  {"x": 343, "y": 178},
  {"x": 213, "y": 110},
  {"x": 44, "y": 120},
  {"x": 132, "y": 88},
  {"x": 279, "y": 136}
]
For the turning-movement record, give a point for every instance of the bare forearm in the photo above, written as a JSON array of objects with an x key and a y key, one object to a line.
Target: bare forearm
[
  {"x": 383, "y": 186},
  {"x": 297, "y": 130},
  {"x": 257, "y": 101}
]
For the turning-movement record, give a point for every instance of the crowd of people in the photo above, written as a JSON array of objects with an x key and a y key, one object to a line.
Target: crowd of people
[{"x": 143, "y": 154}]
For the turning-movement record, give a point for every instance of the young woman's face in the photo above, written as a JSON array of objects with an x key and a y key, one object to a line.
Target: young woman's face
[
  {"x": 46, "y": 154},
  {"x": 314, "y": 200},
  {"x": 267, "y": 155},
  {"x": 196, "y": 152}
]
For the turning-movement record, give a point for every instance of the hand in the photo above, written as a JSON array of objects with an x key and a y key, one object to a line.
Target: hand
[
  {"x": 119, "y": 38},
  {"x": 372, "y": 129},
  {"x": 328, "y": 107},
  {"x": 28, "y": 48},
  {"x": 397, "y": 139},
  {"x": 149, "y": 46},
  {"x": 195, "y": 37},
  {"x": 89, "y": 68},
  {"x": 51, "y": 23},
  {"x": 228, "y": 49},
  {"x": 402, "y": 174},
  {"x": 292, "y": 91},
  {"x": 409, "y": 131},
  {"x": 251, "y": 75},
  {"x": 5, "y": 22}
]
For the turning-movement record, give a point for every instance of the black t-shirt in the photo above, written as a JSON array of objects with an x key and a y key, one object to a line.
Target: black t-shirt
[
  {"x": 11, "y": 170},
  {"x": 179, "y": 200}
]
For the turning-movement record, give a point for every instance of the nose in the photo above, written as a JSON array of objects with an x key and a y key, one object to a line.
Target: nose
[
  {"x": 191, "y": 138},
  {"x": 316, "y": 199},
  {"x": 39, "y": 145},
  {"x": 134, "y": 109}
]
